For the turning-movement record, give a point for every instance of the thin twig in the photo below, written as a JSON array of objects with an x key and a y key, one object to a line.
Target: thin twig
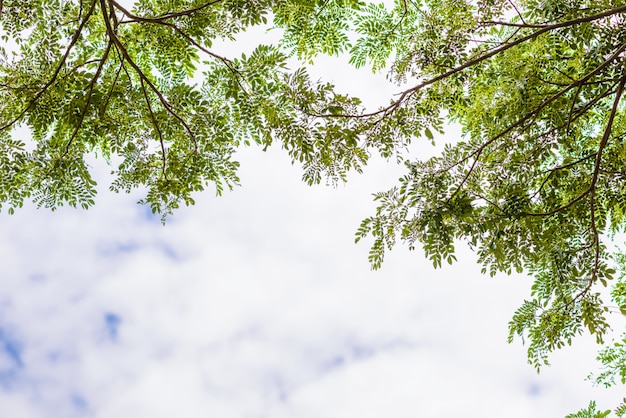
[{"x": 517, "y": 11}]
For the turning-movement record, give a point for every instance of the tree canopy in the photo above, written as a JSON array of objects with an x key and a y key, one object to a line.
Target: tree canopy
[{"x": 536, "y": 184}]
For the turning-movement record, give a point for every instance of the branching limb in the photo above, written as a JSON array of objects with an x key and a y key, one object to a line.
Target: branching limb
[
  {"x": 174, "y": 15},
  {"x": 467, "y": 175},
  {"x": 488, "y": 201},
  {"x": 227, "y": 62},
  {"x": 470, "y": 63},
  {"x": 536, "y": 111},
  {"x": 521, "y": 18},
  {"x": 594, "y": 180},
  {"x": 561, "y": 167},
  {"x": 92, "y": 84},
  {"x": 142, "y": 76},
  {"x": 596, "y": 171}
]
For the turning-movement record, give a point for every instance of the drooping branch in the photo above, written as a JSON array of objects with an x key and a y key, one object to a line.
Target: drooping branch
[
  {"x": 92, "y": 85},
  {"x": 594, "y": 180}
]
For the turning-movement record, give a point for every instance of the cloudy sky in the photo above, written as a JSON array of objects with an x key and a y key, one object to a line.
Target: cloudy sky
[{"x": 258, "y": 304}]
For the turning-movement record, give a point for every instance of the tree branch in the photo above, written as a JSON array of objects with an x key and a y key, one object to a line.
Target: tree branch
[
  {"x": 156, "y": 127},
  {"x": 535, "y": 112},
  {"x": 481, "y": 58},
  {"x": 92, "y": 85},
  {"x": 122, "y": 49},
  {"x": 227, "y": 62},
  {"x": 594, "y": 180},
  {"x": 157, "y": 19},
  {"x": 596, "y": 171}
]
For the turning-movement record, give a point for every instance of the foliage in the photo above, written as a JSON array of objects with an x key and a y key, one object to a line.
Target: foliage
[
  {"x": 535, "y": 185},
  {"x": 590, "y": 412},
  {"x": 94, "y": 76}
]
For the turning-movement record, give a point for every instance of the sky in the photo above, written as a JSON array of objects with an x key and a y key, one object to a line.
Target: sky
[{"x": 258, "y": 304}]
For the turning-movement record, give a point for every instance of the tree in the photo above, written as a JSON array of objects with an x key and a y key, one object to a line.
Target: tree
[{"x": 536, "y": 184}]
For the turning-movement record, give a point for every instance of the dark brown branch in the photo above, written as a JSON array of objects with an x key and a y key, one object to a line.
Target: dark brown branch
[
  {"x": 467, "y": 175},
  {"x": 137, "y": 19},
  {"x": 573, "y": 163},
  {"x": 156, "y": 127},
  {"x": 555, "y": 169},
  {"x": 92, "y": 85},
  {"x": 560, "y": 208},
  {"x": 536, "y": 111},
  {"x": 517, "y": 11},
  {"x": 594, "y": 180},
  {"x": 576, "y": 115},
  {"x": 571, "y": 109},
  {"x": 551, "y": 83},
  {"x": 228, "y": 63},
  {"x": 591, "y": 189},
  {"x": 174, "y": 14},
  {"x": 513, "y": 25},
  {"x": 490, "y": 202},
  {"x": 486, "y": 56},
  {"x": 126, "y": 56}
]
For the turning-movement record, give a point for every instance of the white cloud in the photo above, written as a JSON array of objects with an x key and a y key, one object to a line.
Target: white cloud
[{"x": 259, "y": 304}]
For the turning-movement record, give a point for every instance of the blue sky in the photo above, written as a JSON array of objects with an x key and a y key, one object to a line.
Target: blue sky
[{"x": 259, "y": 304}]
